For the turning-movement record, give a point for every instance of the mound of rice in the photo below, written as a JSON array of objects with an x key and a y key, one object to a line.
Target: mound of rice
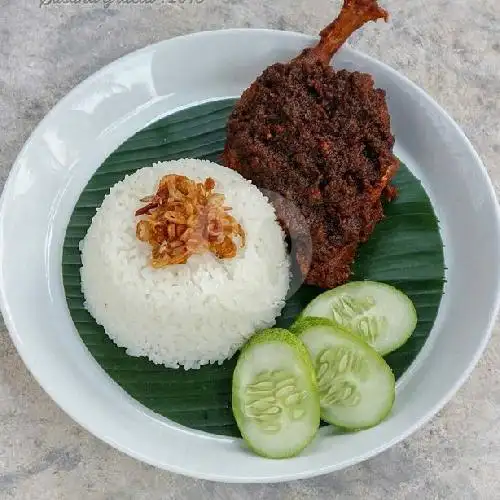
[{"x": 191, "y": 314}]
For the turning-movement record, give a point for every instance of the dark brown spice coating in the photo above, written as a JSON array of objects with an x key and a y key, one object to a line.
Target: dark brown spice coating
[{"x": 320, "y": 138}]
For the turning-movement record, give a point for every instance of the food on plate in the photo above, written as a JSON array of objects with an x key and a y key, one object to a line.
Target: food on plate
[
  {"x": 186, "y": 262},
  {"x": 187, "y": 314},
  {"x": 184, "y": 218},
  {"x": 356, "y": 386},
  {"x": 322, "y": 139},
  {"x": 275, "y": 399},
  {"x": 380, "y": 314}
]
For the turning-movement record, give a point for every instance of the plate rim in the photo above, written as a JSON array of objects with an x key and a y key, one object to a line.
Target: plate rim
[{"x": 10, "y": 322}]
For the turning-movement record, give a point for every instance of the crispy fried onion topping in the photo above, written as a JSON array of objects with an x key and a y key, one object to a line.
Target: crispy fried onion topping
[{"x": 184, "y": 218}]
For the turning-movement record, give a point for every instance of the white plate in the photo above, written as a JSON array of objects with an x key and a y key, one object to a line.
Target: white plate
[{"x": 86, "y": 126}]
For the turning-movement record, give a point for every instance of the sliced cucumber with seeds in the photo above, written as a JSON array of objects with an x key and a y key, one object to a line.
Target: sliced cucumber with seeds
[
  {"x": 381, "y": 315},
  {"x": 275, "y": 396},
  {"x": 356, "y": 385}
]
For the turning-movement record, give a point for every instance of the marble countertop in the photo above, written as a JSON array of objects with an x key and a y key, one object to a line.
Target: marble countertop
[{"x": 449, "y": 47}]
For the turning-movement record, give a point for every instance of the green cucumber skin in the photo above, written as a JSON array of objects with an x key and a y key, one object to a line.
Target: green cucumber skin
[
  {"x": 280, "y": 335},
  {"x": 285, "y": 336},
  {"x": 358, "y": 284},
  {"x": 302, "y": 323},
  {"x": 301, "y": 326}
]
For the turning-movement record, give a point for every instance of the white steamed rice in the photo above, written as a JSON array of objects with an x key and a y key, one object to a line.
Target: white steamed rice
[{"x": 192, "y": 314}]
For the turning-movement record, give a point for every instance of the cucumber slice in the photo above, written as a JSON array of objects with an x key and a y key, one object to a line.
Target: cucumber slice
[
  {"x": 381, "y": 315},
  {"x": 275, "y": 396},
  {"x": 356, "y": 386}
]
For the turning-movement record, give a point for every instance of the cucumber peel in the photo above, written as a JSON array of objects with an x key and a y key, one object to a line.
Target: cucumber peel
[
  {"x": 380, "y": 314},
  {"x": 356, "y": 386},
  {"x": 275, "y": 398}
]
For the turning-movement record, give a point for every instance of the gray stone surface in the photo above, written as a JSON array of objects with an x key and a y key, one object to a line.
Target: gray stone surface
[{"x": 449, "y": 47}]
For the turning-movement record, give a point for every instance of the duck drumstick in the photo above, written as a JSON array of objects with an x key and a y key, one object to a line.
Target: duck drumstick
[{"x": 320, "y": 139}]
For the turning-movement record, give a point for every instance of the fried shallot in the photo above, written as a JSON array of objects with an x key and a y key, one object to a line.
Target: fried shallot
[{"x": 184, "y": 218}]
